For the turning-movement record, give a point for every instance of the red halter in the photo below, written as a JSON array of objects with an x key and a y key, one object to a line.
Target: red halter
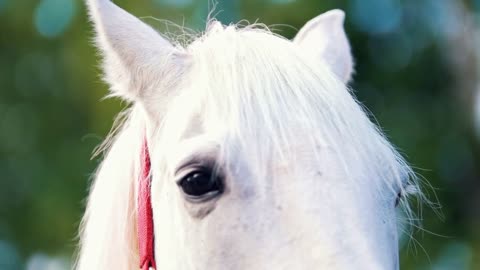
[{"x": 145, "y": 214}]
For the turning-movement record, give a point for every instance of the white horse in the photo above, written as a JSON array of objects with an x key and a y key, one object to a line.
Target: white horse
[{"x": 261, "y": 158}]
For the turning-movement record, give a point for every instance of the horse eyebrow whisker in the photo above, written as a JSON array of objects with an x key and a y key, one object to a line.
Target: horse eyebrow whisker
[
  {"x": 196, "y": 160},
  {"x": 200, "y": 158}
]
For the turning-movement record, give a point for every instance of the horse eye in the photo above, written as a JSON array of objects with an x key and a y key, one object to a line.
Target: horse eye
[{"x": 200, "y": 185}]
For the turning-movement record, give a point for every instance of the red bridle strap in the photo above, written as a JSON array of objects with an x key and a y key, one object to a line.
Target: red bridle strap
[{"x": 145, "y": 214}]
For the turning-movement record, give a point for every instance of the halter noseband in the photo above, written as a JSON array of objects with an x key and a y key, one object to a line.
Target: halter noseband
[{"x": 145, "y": 214}]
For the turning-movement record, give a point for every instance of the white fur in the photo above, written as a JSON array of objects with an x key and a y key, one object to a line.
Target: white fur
[
  {"x": 324, "y": 38},
  {"x": 137, "y": 60},
  {"x": 310, "y": 181}
]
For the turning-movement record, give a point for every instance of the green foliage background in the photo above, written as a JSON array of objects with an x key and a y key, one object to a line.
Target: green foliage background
[{"x": 416, "y": 70}]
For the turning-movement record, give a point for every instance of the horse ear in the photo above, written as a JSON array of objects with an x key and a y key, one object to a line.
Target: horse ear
[
  {"x": 135, "y": 56},
  {"x": 324, "y": 38}
]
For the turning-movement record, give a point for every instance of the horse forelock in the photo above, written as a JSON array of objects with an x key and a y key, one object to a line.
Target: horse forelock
[{"x": 259, "y": 90}]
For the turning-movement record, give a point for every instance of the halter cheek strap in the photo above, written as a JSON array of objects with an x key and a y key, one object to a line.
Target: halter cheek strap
[{"x": 145, "y": 214}]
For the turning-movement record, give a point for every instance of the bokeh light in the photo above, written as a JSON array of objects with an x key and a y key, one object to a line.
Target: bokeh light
[
  {"x": 175, "y": 3},
  {"x": 9, "y": 257},
  {"x": 456, "y": 255},
  {"x": 3, "y": 4},
  {"x": 52, "y": 17},
  {"x": 282, "y": 1},
  {"x": 376, "y": 16},
  {"x": 44, "y": 262}
]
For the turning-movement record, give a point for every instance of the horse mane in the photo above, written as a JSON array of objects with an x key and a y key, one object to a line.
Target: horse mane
[
  {"x": 245, "y": 77},
  {"x": 108, "y": 229}
]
